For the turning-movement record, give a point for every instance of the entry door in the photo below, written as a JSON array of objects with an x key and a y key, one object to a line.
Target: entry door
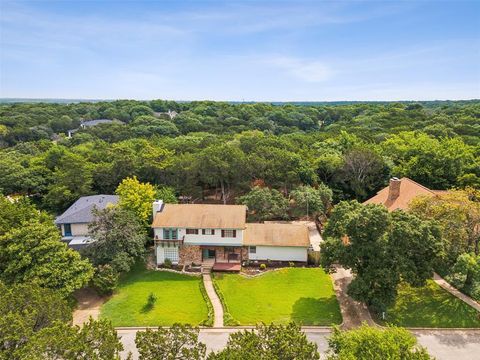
[{"x": 208, "y": 254}]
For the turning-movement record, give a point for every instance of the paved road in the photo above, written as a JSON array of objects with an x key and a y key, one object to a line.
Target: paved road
[{"x": 443, "y": 344}]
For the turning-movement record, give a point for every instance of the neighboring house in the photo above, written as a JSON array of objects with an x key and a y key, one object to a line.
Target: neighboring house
[
  {"x": 75, "y": 220},
  {"x": 400, "y": 192},
  {"x": 218, "y": 234},
  {"x": 91, "y": 123}
]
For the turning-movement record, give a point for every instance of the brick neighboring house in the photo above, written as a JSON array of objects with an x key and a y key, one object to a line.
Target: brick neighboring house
[
  {"x": 219, "y": 234},
  {"x": 74, "y": 221},
  {"x": 400, "y": 192}
]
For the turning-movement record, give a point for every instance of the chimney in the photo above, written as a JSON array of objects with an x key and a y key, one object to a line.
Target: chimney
[
  {"x": 157, "y": 206},
  {"x": 394, "y": 188}
]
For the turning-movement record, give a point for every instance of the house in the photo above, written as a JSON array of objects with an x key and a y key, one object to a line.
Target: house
[
  {"x": 219, "y": 234},
  {"x": 400, "y": 192},
  {"x": 91, "y": 123},
  {"x": 74, "y": 221}
]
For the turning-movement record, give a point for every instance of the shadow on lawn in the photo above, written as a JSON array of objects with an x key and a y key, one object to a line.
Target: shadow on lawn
[{"x": 311, "y": 311}]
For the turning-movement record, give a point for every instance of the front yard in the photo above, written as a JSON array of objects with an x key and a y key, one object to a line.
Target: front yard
[
  {"x": 179, "y": 299},
  {"x": 305, "y": 296},
  {"x": 431, "y": 306}
]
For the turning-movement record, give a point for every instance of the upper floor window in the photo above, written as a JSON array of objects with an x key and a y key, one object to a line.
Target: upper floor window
[
  {"x": 192, "y": 231},
  {"x": 170, "y": 234},
  {"x": 67, "y": 229},
  {"x": 208, "y": 231},
  {"x": 229, "y": 233}
]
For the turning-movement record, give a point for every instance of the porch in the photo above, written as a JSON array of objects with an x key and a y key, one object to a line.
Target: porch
[{"x": 221, "y": 258}]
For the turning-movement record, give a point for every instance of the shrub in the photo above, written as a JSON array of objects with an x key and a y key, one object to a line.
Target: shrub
[
  {"x": 263, "y": 266},
  {"x": 291, "y": 264},
  {"x": 167, "y": 263},
  {"x": 105, "y": 279},
  {"x": 152, "y": 299}
]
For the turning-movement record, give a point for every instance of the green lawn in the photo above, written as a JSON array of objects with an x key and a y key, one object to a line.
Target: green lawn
[
  {"x": 430, "y": 306},
  {"x": 305, "y": 296},
  {"x": 179, "y": 299}
]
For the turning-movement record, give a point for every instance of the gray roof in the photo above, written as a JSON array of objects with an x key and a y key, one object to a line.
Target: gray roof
[
  {"x": 81, "y": 210},
  {"x": 96, "y": 122}
]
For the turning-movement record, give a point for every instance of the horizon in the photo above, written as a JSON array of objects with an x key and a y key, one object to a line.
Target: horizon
[{"x": 240, "y": 51}]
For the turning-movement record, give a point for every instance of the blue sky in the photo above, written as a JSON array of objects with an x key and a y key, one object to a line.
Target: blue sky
[{"x": 250, "y": 50}]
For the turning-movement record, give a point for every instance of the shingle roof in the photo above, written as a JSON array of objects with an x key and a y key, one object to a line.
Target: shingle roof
[
  {"x": 274, "y": 234},
  {"x": 409, "y": 189},
  {"x": 81, "y": 210},
  {"x": 97, "y": 121},
  {"x": 201, "y": 216}
]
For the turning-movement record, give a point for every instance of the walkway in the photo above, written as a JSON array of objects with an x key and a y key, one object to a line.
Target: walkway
[
  {"x": 354, "y": 313},
  {"x": 444, "y": 284},
  {"x": 217, "y": 305}
]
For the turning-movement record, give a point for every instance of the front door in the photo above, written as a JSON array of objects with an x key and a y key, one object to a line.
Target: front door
[{"x": 208, "y": 254}]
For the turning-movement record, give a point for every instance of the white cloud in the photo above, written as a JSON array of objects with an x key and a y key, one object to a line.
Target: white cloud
[{"x": 303, "y": 69}]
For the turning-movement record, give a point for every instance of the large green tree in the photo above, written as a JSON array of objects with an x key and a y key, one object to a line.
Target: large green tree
[
  {"x": 367, "y": 343},
  {"x": 381, "y": 249},
  {"x": 179, "y": 342},
  {"x": 119, "y": 239},
  {"x": 279, "y": 342},
  {"x": 265, "y": 204}
]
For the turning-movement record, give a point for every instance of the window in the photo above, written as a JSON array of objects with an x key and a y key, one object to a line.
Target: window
[
  {"x": 208, "y": 231},
  {"x": 171, "y": 253},
  {"x": 228, "y": 249},
  {"x": 192, "y": 231},
  {"x": 67, "y": 229},
  {"x": 229, "y": 233},
  {"x": 252, "y": 249},
  {"x": 170, "y": 234}
]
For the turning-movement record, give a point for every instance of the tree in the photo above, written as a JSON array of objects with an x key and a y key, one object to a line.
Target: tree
[
  {"x": 279, "y": 342},
  {"x": 458, "y": 213},
  {"x": 308, "y": 200},
  {"x": 367, "y": 343},
  {"x": 137, "y": 197},
  {"x": 26, "y": 309},
  {"x": 167, "y": 194},
  {"x": 179, "y": 342},
  {"x": 105, "y": 279},
  {"x": 381, "y": 249},
  {"x": 119, "y": 239},
  {"x": 94, "y": 340},
  {"x": 33, "y": 252},
  {"x": 264, "y": 204},
  {"x": 146, "y": 125},
  {"x": 465, "y": 274}
]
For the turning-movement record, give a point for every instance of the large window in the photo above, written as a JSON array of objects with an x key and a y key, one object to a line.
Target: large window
[
  {"x": 170, "y": 234},
  {"x": 192, "y": 231},
  {"x": 208, "y": 231},
  {"x": 171, "y": 253},
  {"x": 67, "y": 229},
  {"x": 229, "y": 233}
]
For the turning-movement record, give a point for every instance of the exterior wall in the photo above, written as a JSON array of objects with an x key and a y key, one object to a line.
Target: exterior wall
[
  {"x": 279, "y": 253},
  {"x": 77, "y": 229},
  {"x": 213, "y": 240},
  {"x": 189, "y": 254},
  {"x": 164, "y": 252}
]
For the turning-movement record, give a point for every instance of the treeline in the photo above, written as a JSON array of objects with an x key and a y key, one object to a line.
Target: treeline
[
  {"x": 202, "y": 164},
  {"x": 370, "y": 121}
]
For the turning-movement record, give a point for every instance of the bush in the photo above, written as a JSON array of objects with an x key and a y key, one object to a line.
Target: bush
[
  {"x": 167, "y": 263},
  {"x": 105, "y": 279},
  {"x": 263, "y": 266},
  {"x": 152, "y": 299},
  {"x": 291, "y": 264}
]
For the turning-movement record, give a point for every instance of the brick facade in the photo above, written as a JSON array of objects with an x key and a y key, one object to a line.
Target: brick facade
[{"x": 189, "y": 254}]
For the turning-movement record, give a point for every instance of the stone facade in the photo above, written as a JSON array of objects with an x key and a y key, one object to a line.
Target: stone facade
[{"x": 189, "y": 254}]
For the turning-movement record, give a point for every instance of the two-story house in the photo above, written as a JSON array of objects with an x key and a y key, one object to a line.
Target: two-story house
[
  {"x": 74, "y": 221},
  {"x": 219, "y": 234}
]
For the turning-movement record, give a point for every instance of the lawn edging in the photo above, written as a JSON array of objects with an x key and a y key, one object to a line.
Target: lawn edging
[
  {"x": 210, "y": 313},
  {"x": 179, "y": 272},
  {"x": 228, "y": 319}
]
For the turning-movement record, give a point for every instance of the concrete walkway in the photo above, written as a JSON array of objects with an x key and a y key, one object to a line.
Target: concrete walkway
[
  {"x": 445, "y": 285},
  {"x": 217, "y": 305},
  {"x": 354, "y": 313}
]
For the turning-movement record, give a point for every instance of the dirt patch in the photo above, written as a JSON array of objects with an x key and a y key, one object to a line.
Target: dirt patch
[{"x": 89, "y": 304}]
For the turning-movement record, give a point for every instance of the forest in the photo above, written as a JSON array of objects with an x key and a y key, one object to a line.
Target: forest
[{"x": 219, "y": 151}]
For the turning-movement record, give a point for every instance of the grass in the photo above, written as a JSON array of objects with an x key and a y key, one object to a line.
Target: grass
[
  {"x": 178, "y": 300},
  {"x": 304, "y": 296},
  {"x": 430, "y": 306}
]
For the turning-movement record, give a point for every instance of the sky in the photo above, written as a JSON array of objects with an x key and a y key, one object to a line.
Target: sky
[{"x": 240, "y": 50}]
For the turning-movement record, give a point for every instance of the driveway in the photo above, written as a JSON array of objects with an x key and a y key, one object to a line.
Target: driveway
[{"x": 443, "y": 344}]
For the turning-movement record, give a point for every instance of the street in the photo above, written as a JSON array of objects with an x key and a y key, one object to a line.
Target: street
[{"x": 443, "y": 344}]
